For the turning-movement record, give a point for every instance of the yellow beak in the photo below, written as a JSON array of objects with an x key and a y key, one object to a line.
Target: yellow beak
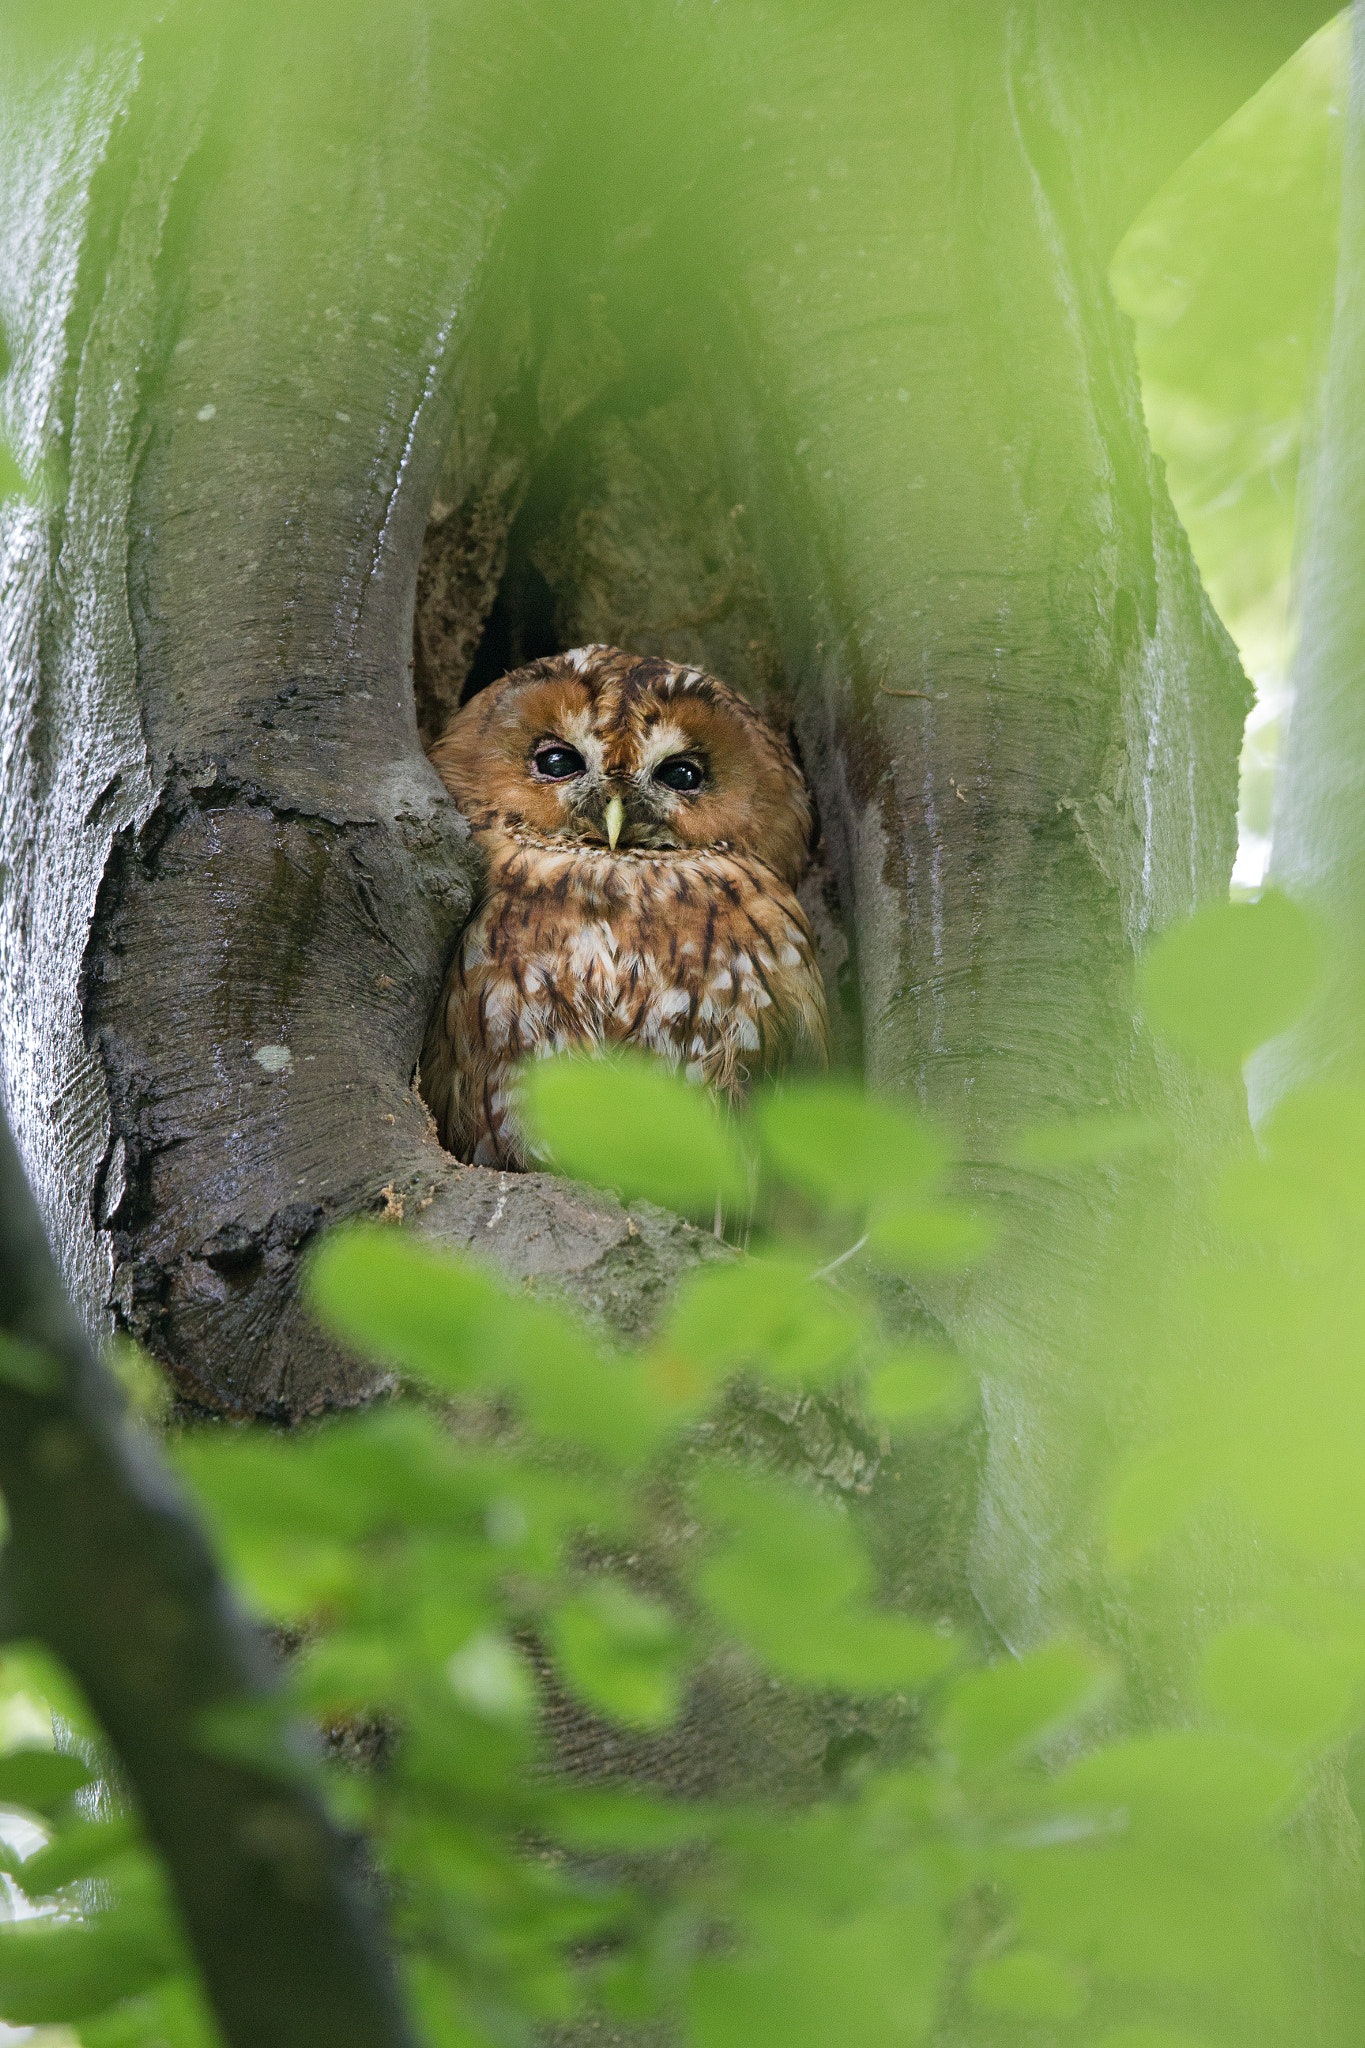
[{"x": 614, "y": 819}]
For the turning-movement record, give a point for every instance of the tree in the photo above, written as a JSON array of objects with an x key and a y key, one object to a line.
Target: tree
[{"x": 796, "y": 316}]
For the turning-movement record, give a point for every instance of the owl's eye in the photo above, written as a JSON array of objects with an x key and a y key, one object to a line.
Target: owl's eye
[
  {"x": 679, "y": 772},
  {"x": 556, "y": 762}
]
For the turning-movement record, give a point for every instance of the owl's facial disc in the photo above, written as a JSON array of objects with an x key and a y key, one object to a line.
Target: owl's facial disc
[
  {"x": 601, "y": 749},
  {"x": 610, "y": 794}
]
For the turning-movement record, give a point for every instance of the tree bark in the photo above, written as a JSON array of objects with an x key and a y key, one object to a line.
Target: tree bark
[
  {"x": 778, "y": 333},
  {"x": 994, "y": 533}
]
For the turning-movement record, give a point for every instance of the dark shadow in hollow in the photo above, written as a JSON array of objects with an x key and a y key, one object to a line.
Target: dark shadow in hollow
[{"x": 520, "y": 627}]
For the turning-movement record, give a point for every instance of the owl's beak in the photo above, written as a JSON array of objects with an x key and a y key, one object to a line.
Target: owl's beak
[{"x": 614, "y": 818}]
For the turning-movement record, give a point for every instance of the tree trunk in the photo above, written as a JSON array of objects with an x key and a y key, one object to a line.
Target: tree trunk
[{"x": 778, "y": 337}]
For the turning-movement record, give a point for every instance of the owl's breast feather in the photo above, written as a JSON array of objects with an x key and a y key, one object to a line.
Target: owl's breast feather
[{"x": 702, "y": 957}]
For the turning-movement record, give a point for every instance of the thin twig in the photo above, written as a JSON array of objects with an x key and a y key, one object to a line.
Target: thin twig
[
  {"x": 887, "y": 691},
  {"x": 825, "y": 1271}
]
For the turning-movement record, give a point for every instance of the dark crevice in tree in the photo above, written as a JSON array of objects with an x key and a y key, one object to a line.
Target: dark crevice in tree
[{"x": 520, "y": 626}]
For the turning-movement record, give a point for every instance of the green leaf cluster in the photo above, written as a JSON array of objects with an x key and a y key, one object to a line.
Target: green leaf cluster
[{"x": 89, "y": 1936}]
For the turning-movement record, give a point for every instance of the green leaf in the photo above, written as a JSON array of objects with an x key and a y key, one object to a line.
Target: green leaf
[
  {"x": 40, "y": 1780},
  {"x": 147, "y": 1388},
  {"x": 1307, "y": 1192},
  {"x": 1187, "y": 1786},
  {"x": 261, "y": 1733},
  {"x": 76, "y": 1853},
  {"x": 1147, "y": 2037},
  {"x": 998, "y": 1715},
  {"x": 620, "y": 1652},
  {"x": 1290, "y": 1693},
  {"x": 1152, "y": 1860},
  {"x": 791, "y": 1579},
  {"x": 592, "y": 1819},
  {"x": 50, "y": 1973},
  {"x": 1234, "y": 976},
  {"x": 768, "y": 1314},
  {"x": 440, "y": 1317},
  {"x": 845, "y": 1148},
  {"x": 170, "y": 2014},
  {"x": 932, "y": 1238},
  {"x": 489, "y": 1676},
  {"x": 1156, "y": 1493},
  {"x": 628, "y": 1122},
  {"x": 1029, "y": 1983},
  {"x": 913, "y": 1385},
  {"x": 356, "y": 1670},
  {"x": 28, "y": 1367},
  {"x": 814, "y": 1978},
  {"x": 291, "y": 1484},
  {"x": 1271, "y": 1418},
  {"x": 455, "y": 1327}
]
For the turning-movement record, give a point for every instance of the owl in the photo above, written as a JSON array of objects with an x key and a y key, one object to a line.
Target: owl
[{"x": 645, "y": 831}]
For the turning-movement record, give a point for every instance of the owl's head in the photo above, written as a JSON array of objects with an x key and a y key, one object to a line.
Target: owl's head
[{"x": 601, "y": 748}]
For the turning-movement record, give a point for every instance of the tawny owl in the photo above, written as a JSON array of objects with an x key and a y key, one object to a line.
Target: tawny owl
[{"x": 645, "y": 831}]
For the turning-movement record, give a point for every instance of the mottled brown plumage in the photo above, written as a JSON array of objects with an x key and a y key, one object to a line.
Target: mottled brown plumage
[{"x": 645, "y": 831}]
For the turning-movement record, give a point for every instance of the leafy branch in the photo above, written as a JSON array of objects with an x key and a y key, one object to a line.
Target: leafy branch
[{"x": 107, "y": 1565}]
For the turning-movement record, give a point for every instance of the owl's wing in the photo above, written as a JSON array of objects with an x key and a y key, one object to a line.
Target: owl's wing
[
  {"x": 809, "y": 1052},
  {"x": 800, "y": 1013},
  {"x": 468, "y": 1061}
]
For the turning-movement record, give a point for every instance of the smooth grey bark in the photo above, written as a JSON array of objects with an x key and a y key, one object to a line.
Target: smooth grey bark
[
  {"x": 838, "y": 269},
  {"x": 1318, "y": 823}
]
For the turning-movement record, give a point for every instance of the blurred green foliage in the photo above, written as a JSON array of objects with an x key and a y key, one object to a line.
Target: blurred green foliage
[{"x": 1053, "y": 1847}]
